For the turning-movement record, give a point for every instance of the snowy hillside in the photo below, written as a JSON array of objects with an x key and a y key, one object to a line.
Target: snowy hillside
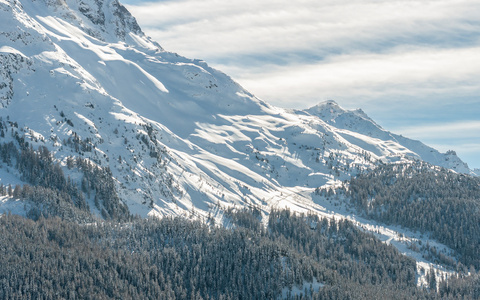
[
  {"x": 358, "y": 122},
  {"x": 80, "y": 78},
  {"x": 173, "y": 136}
]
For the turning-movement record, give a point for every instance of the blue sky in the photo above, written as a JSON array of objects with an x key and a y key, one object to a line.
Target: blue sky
[{"x": 412, "y": 66}]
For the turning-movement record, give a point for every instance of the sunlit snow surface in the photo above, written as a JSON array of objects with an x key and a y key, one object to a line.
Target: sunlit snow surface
[{"x": 179, "y": 137}]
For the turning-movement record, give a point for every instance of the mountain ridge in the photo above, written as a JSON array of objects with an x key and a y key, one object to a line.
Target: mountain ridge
[{"x": 358, "y": 121}]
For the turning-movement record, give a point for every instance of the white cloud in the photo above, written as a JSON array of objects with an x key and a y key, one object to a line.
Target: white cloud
[
  {"x": 213, "y": 28},
  {"x": 465, "y": 149},
  {"x": 401, "y": 72}
]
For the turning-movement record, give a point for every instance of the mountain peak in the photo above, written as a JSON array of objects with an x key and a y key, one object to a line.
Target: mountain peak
[
  {"x": 325, "y": 104},
  {"x": 105, "y": 20},
  {"x": 330, "y": 112},
  {"x": 329, "y": 102},
  {"x": 109, "y": 16}
]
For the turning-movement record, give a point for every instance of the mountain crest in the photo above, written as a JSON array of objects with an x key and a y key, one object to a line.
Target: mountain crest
[
  {"x": 105, "y": 20},
  {"x": 109, "y": 16},
  {"x": 332, "y": 113},
  {"x": 327, "y": 110}
]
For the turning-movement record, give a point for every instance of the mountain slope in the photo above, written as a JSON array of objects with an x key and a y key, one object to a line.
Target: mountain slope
[
  {"x": 357, "y": 121},
  {"x": 81, "y": 78}
]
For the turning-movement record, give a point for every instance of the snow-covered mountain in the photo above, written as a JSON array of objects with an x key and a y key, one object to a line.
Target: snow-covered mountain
[
  {"x": 356, "y": 121},
  {"x": 82, "y": 79}
]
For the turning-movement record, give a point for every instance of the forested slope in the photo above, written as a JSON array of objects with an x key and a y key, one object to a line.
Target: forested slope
[
  {"x": 175, "y": 258},
  {"x": 429, "y": 199}
]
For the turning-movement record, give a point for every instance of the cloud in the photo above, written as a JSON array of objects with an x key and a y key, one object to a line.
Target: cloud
[
  {"x": 407, "y": 72},
  {"x": 463, "y": 150},
  {"x": 232, "y": 28}
]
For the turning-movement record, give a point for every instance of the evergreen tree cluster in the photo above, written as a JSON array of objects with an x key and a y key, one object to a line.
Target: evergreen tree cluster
[
  {"x": 38, "y": 168},
  {"x": 175, "y": 258},
  {"x": 49, "y": 190},
  {"x": 353, "y": 254},
  {"x": 465, "y": 287},
  {"x": 52, "y": 192},
  {"x": 100, "y": 181},
  {"x": 425, "y": 198}
]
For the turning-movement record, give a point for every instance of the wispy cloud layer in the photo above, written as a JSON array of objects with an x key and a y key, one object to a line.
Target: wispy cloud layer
[
  {"x": 406, "y": 72},
  {"x": 394, "y": 58},
  {"x": 227, "y": 28}
]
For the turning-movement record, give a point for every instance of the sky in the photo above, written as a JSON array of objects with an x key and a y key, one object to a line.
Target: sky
[{"x": 412, "y": 66}]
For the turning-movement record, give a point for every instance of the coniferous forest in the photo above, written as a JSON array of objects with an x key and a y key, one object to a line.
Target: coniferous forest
[
  {"x": 61, "y": 251},
  {"x": 181, "y": 259},
  {"x": 175, "y": 258},
  {"x": 429, "y": 199}
]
